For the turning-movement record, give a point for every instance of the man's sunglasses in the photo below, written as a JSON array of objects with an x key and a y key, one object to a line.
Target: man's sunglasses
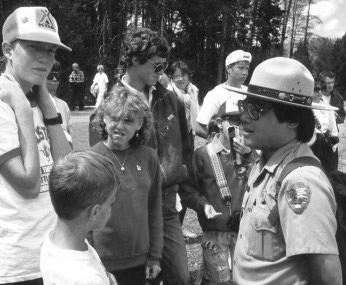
[
  {"x": 252, "y": 109},
  {"x": 159, "y": 67}
]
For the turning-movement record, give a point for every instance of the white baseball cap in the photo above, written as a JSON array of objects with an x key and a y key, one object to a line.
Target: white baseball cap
[
  {"x": 238, "y": 55},
  {"x": 32, "y": 24}
]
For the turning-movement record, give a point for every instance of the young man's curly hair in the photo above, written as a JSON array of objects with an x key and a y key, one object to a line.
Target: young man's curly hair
[{"x": 143, "y": 44}]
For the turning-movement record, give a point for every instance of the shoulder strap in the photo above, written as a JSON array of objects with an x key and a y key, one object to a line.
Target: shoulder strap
[
  {"x": 220, "y": 176},
  {"x": 292, "y": 165}
]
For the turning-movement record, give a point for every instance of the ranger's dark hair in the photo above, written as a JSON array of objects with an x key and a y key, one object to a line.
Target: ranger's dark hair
[{"x": 303, "y": 116}]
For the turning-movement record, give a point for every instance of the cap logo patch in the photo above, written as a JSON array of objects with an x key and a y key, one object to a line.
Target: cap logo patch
[
  {"x": 24, "y": 20},
  {"x": 298, "y": 197},
  {"x": 45, "y": 21}
]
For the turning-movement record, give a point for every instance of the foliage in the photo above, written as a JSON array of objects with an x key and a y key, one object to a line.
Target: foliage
[{"x": 202, "y": 33}]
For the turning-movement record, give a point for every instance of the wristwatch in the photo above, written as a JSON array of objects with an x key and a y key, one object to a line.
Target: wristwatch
[{"x": 53, "y": 121}]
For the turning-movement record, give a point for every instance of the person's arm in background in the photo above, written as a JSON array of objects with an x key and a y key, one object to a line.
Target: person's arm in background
[
  {"x": 82, "y": 77},
  {"x": 20, "y": 165},
  {"x": 338, "y": 102},
  {"x": 187, "y": 148},
  {"x": 58, "y": 142},
  {"x": 152, "y": 265},
  {"x": 194, "y": 107},
  {"x": 201, "y": 130}
]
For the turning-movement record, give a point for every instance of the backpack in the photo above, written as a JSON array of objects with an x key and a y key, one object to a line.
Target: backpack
[{"x": 338, "y": 181}]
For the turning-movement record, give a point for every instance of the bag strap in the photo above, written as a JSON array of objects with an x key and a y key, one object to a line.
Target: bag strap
[
  {"x": 220, "y": 177},
  {"x": 301, "y": 161}
]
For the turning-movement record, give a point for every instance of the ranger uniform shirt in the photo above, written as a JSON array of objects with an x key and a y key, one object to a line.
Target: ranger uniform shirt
[{"x": 273, "y": 253}]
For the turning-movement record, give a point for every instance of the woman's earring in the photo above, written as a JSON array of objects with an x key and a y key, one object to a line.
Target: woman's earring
[{"x": 137, "y": 134}]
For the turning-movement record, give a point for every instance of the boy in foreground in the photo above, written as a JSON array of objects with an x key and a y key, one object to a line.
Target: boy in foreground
[{"x": 82, "y": 186}]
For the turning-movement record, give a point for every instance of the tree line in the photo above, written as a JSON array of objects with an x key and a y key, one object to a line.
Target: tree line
[{"x": 201, "y": 32}]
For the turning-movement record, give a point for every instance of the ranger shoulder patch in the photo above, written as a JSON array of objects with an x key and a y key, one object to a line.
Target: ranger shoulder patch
[{"x": 298, "y": 197}]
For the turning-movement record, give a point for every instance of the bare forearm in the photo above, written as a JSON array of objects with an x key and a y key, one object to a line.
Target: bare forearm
[
  {"x": 201, "y": 130},
  {"x": 23, "y": 171},
  {"x": 324, "y": 269}
]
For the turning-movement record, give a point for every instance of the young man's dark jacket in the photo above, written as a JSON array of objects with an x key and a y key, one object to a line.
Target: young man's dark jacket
[
  {"x": 337, "y": 101},
  {"x": 169, "y": 137}
]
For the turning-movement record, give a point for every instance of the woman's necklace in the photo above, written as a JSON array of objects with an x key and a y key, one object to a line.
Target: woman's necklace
[{"x": 122, "y": 168}]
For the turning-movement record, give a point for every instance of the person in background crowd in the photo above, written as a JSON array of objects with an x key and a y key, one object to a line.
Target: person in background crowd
[
  {"x": 31, "y": 140},
  {"x": 145, "y": 56},
  {"x": 83, "y": 187},
  {"x": 325, "y": 139},
  {"x": 76, "y": 80},
  {"x": 53, "y": 79},
  {"x": 237, "y": 66},
  {"x": 100, "y": 82},
  {"x": 131, "y": 244},
  {"x": 180, "y": 84},
  {"x": 332, "y": 97},
  {"x": 287, "y": 230},
  {"x": 218, "y": 209}
]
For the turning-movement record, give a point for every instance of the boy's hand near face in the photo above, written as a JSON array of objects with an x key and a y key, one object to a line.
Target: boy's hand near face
[
  {"x": 240, "y": 147},
  {"x": 12, "y": 94}
]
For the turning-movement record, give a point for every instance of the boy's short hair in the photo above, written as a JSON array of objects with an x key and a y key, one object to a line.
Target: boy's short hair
[
  {"x": 143, "y": 44},
  {"x": 79, "y": 180}
]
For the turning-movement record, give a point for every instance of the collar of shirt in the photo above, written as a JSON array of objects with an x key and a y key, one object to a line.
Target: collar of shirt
[
  {"x": 135, "y": 91},
  {"x": 218, "y": 146},
  {"x": 270, "y": 166}
]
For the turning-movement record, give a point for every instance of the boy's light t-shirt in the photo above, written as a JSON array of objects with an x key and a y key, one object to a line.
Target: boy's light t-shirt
[
  {"x": 71, "y": 267},
  {"x": 23, "y": 222}
]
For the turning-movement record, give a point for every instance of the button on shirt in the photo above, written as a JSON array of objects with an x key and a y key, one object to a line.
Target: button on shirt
[{"x": 272, "y": 253}]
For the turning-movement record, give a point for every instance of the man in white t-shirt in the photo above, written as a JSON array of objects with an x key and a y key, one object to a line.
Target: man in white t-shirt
[
  {"x": 237, "y": 67},
  {"x": 31, "y": 139},
  {"x": 100, "y": 83}
]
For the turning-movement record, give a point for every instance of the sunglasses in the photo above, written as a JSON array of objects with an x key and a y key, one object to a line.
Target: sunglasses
[
  {"x": 252, "y": 109},
  {"x": 159, "y": 67}
]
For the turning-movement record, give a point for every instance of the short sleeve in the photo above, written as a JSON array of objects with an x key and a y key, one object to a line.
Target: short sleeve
[
  {"x": 9, "y": 143},
  {"x": 106, "y": 78},
  {"x": 208, "y": 109},
  {"x": 307, "y": 212},
  {"x": 89, "y": 279}
]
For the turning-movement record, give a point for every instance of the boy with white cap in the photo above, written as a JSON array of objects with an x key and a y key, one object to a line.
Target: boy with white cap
[
  {"x": 288, "y": 226},
  {"x": 237, "y": 66},
  {"x": 214, "y": 189},
  {"x": 32, "y": 139}
]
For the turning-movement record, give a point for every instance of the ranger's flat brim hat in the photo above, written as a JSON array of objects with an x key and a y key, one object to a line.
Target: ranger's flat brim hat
[
  {"x": 32, "y": 24},
  {"x": 283, "y": 80}
]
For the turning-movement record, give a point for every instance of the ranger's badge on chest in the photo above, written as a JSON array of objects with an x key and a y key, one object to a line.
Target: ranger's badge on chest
[{"x": 298, "y": 197}]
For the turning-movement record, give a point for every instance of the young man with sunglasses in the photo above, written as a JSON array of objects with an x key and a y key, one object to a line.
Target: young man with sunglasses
[
  {"x": 287, "y": 230},
  {"x": 237, "y": 67},
  {"x": 145, "y": 57}
]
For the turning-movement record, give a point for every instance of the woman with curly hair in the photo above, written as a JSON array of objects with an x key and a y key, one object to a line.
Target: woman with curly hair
[{"x": 130, "y": 245}]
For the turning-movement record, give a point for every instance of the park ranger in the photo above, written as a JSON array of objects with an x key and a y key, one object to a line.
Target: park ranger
[{"x": 287, "y": 231}]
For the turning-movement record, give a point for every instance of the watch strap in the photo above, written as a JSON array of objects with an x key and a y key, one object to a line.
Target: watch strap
[{"x": 53, "y": 121}]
